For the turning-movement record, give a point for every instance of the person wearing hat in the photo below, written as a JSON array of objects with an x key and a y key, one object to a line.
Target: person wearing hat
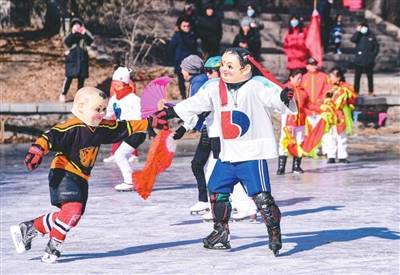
[
  {"x": 248, "y": 38},
  {"x": 315, "y": 83},
  {"x": 294, "y": 44},
  {"x": 241, "y": 103},
  {"x": 125, "y": 105},
  {"x": 182, "y": 44},
  {"x": 367, "y": 48},
  {"x": 209, "y": 29},
  {"x": 76, "y": 57},
  {"x": 193, "y": 71}
]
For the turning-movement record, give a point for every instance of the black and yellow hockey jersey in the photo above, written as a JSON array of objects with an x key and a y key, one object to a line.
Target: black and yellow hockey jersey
[{"x": 77, "y": 144}]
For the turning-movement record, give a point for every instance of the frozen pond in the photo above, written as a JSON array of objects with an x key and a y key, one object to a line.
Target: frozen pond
[{"x": 338, "y": 219}]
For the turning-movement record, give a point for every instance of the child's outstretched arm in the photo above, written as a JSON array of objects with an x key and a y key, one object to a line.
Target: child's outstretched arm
[{"x": 34, "y": 157}]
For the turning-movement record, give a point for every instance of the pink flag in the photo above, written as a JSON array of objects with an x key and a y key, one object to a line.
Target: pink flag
[{"x": 313, "y": 39}]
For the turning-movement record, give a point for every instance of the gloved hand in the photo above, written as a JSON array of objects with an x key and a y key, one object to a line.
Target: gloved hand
[
  {"x": 287, "y": 95},
  {"x": 168, "y": 113},
  {"x": 34, "y": 157},
  {"x": 158, "y": 121},
  {"x": 179, "y": 133}
]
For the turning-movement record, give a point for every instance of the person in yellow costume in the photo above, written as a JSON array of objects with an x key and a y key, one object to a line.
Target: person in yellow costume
[{"x": 343, "y": 97}]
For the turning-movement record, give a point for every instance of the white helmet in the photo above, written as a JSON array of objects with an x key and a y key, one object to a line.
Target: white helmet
[{"x": 122, "y": 74}]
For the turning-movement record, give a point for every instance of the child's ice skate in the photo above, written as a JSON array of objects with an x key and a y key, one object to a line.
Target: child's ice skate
[
  {"x": 199, "y": 208},
  {"x": 22, "y": 235},
  {"x": 111, "y": 158},
  {"x": 219, "y": 238},
  {"x": 52, "y": 251},
  {"x": 124, "y": 187}
]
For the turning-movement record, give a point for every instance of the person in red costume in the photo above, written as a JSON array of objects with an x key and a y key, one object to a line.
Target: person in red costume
[
  {"x": 294, "y": 44},
  {"x": 315, "y": 83},
  {"x": 294, "y": 123}
]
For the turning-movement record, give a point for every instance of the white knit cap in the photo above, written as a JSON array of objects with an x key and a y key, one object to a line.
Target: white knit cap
[{"x": 122, "y": 74}]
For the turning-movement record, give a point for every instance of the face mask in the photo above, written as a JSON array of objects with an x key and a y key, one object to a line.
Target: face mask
[
  {"x": 364, "y": 30},
  {"x": 294, "y": 23},
  {"x": 250, "y": 12}
]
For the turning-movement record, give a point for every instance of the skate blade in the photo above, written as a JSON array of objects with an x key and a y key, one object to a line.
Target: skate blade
[
  {"x": 17, "y": 238},
  {"x": 217, "y": 246},
  {"x": 124, "y": 190},
  {"x": 201, "y": 212}
]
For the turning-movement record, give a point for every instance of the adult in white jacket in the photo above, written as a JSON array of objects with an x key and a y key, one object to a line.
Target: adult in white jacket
[{"x": 241, "y": 104}]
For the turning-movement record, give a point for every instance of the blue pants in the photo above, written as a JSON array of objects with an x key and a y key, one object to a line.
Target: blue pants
[{"x": 253, "y": 174}]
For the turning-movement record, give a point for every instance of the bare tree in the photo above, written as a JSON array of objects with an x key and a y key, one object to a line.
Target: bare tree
[{"x": 139, "y": 21}]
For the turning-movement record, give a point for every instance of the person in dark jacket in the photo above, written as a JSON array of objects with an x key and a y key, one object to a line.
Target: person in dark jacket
[
  {"x": 324, "y": 8},
  {"x": 367, "y": 49},
  {"x": 209, "y": 29},
  {"x": 248, "y": 38},
  {"x": 76, "y": 58},
  {"x": 337, "y": 33},
  {"x": 183, "y": 43}
]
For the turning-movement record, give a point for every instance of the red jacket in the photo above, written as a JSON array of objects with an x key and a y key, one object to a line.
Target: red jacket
[
  {"x": 295, "y": 49},
  {"x": 301, "y": 98},
  {"x": 316, "y": 85}
]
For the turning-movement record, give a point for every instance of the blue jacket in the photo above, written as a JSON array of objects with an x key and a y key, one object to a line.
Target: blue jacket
[{"x": 195, "y": 83}]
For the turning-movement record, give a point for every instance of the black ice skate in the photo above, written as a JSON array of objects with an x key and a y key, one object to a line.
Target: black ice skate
[
  {"x": 52, "y": 251},
  {"x": 22, "y": 235},
  {"x": 219, "y": 238},
  {"x": 281, "y": 165},
  {"x": 296, "y": 166},
  {"x": 275, "y": 239}
]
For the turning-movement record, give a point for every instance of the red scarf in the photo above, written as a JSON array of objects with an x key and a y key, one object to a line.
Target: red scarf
[{"x": 123, "y": 91}]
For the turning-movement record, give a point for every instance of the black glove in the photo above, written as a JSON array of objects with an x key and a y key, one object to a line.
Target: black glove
[
  {"x": 287, "y": 95},
  {"x": 179, "y": 133},
  {"x": 34, "y": 157}
]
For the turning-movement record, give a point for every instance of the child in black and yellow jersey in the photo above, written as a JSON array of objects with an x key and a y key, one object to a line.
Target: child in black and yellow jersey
[{"x": 76, "y": 142}]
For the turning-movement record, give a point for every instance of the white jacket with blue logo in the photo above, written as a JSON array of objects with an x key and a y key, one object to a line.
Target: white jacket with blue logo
[
  {"x": 244, "y": 123},
  {"x": 126, "y": 108}
]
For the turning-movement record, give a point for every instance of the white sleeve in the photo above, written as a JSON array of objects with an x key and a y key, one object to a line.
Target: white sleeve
[
  {"x": 110, "y": 110},
  {"x": 189, "y": 108},
  {"x": 270, "y": 96}
]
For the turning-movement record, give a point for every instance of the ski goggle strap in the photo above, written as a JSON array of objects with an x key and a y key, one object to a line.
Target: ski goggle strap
[{"x": 267, "y": 74}]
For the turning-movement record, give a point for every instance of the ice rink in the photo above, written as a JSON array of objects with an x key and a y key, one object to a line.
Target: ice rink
[{"x": 337, "y": 219}]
